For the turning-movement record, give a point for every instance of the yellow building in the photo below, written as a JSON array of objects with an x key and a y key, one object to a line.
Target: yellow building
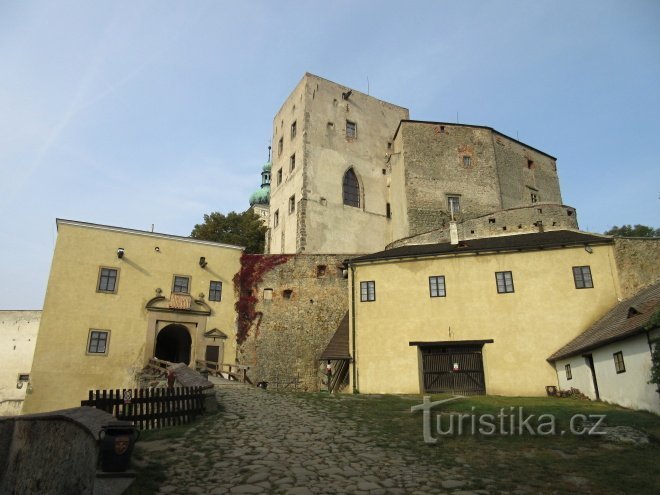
[
  {"x": 117, "y": 297},
  {"x": 477, "y": 316}
]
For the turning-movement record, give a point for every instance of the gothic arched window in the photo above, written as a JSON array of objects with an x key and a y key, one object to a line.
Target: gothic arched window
[{"x": 351, "y": 188}]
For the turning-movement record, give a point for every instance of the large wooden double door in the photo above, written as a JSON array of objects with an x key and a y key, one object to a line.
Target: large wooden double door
[{"x": 457, "y": 369}]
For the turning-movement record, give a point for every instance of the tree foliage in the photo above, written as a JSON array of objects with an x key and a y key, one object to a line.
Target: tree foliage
[
  {"x": 654, "y": 323},
  {"x": 636, "y": 231},
  {"x": 241, "y": 229}
]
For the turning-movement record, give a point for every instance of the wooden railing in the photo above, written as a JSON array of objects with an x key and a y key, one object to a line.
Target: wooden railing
[
  {"x": 150, "y": 408},
  {"x": 236, "y": 372}
]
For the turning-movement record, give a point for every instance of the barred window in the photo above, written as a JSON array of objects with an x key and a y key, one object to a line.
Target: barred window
[
  {"x": 437, "y": 286},
  {"x": 504, "y": 282},
  {"x": 98, "y": 342},
  {"x": 582, "y": 277},
  {"x": 368, "y": 291},
  {"x": 351, "y": 130},
  {"x": 454, "y": 204},
  {"x": 351, "y": 188},
  {"x": 215, "y": 291},
  {"x": 569, "y": 374},
  {"x": 107, "y": 280}
]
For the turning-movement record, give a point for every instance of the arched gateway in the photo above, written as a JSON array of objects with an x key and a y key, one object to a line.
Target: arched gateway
[{"x": 173, "y": 344}]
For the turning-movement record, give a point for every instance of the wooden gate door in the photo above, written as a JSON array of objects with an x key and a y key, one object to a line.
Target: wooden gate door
[{"x": 455, "y": 369}]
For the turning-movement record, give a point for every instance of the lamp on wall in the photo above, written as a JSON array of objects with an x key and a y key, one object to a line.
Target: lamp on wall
[
  {"x": 202, "y": 262},
  {"x": 120, "y": 253}
]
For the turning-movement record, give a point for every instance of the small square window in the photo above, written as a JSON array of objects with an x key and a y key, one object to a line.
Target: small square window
[
  {"x": 437, "y": 286},
  {"x": 292, "y": 163},
  {"x": 569, "y": 374},
  {"x": 321, "y": 270},
  {"x": 504, "y": 282},
  {"x": 368, "y": 291},
  {"x": 534, "y": 197},
  {"x": 107, "y": 280},
  {"x": 582, "y": 277},
  {"x": 619, "y": 365},
  {"x": 292, "y": 204},
  {"x": 279, "y": 177},
  {"x": 24, "y": 377},
  {"x": 287, "y": 294},
  {"x": 294, "y": 129},
  {"x": 268, "y": 294},
  {"x": 215, "y": 291},
  {"x": 467, "y": 161},
  {"x": 97, "y": 342},
  {"x": 351, "y": 130},
  {"x": 276, "y": 218},
  {"x": 280, "y": 146},
  {"x": 454, "y": 204},
  {"x": 181, "y": 284}
]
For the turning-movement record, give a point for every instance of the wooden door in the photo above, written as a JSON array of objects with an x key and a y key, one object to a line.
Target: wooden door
[
  {"x": 212, "y": 353},
  {"x": 453, "y": 369}
]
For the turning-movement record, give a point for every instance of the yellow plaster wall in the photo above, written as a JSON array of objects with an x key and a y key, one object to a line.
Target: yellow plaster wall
[
  {"x": 62, "y": 372},
  {"x": 543, "y": 314}
]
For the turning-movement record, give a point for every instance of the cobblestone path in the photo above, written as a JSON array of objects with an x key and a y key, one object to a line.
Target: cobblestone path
[{"x": 268, "y": 442}]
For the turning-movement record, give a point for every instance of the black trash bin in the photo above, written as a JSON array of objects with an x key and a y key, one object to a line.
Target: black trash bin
[{"x": 116, "y": 441}]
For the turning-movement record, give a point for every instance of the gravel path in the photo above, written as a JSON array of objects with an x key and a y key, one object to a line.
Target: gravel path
[{"x": 268, "y": 442}]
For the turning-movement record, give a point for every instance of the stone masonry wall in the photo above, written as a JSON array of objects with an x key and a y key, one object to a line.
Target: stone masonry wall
[
  {"x": 486, "y": 170},
  {"x": 537, "y": 218},
  {"x": 299, "y": 305},
  {"x": 434, "y": 169},
  {"x": 638, "y": 263}
]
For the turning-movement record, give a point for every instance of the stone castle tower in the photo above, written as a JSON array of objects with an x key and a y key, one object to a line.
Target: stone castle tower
[{"x": 352, "y": 174}]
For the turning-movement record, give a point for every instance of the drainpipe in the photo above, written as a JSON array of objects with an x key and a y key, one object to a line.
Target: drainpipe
[{"x": 353, "y": 326}]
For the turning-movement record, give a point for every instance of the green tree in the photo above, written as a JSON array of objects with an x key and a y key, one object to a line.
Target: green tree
[
  {"x": 654, "y": 323},
  {"x": 636, "y": 231},
  {"x": 241, "y": 229}
]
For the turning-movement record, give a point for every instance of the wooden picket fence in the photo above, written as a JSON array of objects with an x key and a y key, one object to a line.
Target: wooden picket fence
[{"x": 149, "y": 408}]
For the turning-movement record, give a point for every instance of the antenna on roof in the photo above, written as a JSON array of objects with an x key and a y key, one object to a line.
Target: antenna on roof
[
  {"x": 269, "y": 152},
  {"x": 152, "y": 227},
  {"x": 367, "y": 84},
  {"x": 457, "y": 117}
]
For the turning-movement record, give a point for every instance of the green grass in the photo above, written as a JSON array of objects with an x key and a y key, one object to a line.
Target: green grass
[{"x": 543, "y": 463}]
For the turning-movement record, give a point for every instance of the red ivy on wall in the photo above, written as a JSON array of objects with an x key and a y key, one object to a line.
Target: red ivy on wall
[{"x": 253, "y": 268}]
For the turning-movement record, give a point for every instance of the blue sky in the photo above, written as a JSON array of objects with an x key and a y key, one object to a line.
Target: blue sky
[{"x": 133, "y": 113}]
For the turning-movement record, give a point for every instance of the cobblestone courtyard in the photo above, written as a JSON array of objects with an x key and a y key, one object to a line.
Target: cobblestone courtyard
[{"x": 266, "y": 442}]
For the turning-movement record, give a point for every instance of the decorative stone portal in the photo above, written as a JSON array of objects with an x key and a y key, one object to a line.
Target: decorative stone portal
[{"x": 173, "y": 344}]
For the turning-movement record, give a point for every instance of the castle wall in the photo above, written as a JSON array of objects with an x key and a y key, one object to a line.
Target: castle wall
[
  {"x": 289, "y": 334},
  {"x": 434, "y": 169},
  {"x": 638, "y": 263},
  {"x": 324, "y": 152},
  {"x": 523, "y": 171},
  {"x": 522, "y": 220}
]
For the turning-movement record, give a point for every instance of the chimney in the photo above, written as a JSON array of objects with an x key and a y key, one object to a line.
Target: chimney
[{"x": 453, "y": 233}]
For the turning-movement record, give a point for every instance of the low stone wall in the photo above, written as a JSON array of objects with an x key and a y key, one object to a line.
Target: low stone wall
[
  {"x": 51, "y": 453},
  {"x": 524, "y": 220}
]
